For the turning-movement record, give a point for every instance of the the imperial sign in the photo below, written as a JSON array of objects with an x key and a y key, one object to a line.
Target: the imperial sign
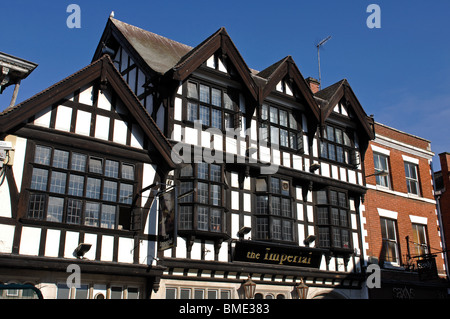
[{"x": 277, "y": 254}]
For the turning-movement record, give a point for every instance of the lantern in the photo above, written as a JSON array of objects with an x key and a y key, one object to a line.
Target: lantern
[{"x": 249, "y": 288}]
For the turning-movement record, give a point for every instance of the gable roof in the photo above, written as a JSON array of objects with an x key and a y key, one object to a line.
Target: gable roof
[
  {"x": 104, "y": 69},
  {"x": 331, "y": 95},
  {"x": 287, "y": 67}
]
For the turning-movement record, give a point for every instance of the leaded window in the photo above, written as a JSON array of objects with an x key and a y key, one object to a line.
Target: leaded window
[
  {"x": 280, "y": 128},
  {"x": 75, "y": 188},
  {"x": 274, "y": 216},
  {"x": 338, "y": 145},
  {"x": 332, "y": 218},
  {"x": 201, "y": 198},
  {"x": 213, "y": 107}
]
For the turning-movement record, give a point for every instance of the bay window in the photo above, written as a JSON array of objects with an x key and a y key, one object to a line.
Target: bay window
[
  {"x": 201, "y": 198},
  {"x": 75, "y": 188},
  {"x": 274, "y": 215},
  {"x": 337, "y": 145},
  {"x": 333, "y": 219}
]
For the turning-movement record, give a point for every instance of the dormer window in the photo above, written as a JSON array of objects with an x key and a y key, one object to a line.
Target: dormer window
[
  {"x": 338, "y": 145},
  {"x": 279, "y": 127},
  {"x": 212, "y": 106}
]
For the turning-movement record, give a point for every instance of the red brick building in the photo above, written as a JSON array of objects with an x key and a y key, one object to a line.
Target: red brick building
[{"x": 401, "y": 219}]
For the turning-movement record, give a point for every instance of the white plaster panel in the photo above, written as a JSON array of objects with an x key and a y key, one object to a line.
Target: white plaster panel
[
  {"x": 52, "y": 241},
  {"x": 6, "y": 238},
  {"x": 42, "y": 118},
  {"x": 63, "y": 118},
  {"x": 137, "y": 137},
  {"x": 83, "y": 123},
  {"x": 29, "y": 241},
  {"x": 72, "y": 241},
  {"x": 104, "y": 100},
  {"x": 102, "y": 127},
  {"x": 86, "y": 96},
  {"x": 120, "y": 132},
  {"x": 126, "y": 250},
  {"x": 107, "y": 248}
]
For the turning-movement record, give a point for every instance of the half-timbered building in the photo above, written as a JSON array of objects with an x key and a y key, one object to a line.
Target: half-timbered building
[
  {"x": 268, "y": 170},
  {"x": 271, "y": 178}
]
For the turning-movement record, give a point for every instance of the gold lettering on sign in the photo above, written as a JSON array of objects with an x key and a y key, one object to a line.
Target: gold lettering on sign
[{"x": 282, "y": 258}]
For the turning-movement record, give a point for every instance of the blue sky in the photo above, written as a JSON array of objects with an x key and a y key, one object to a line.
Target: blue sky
[{"x": 399, "y": 72}]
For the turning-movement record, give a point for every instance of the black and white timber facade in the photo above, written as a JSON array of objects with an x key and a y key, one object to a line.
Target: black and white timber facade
[{"x": 269, "y": 176}]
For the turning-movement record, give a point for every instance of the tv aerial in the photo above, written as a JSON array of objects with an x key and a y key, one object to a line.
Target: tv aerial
[{"x": 321, "y": 43}]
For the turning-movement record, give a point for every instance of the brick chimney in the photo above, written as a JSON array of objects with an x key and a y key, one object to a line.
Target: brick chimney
[{"x": 314, "y": 84}]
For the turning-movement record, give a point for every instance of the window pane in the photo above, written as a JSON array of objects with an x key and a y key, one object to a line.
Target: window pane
[
  {"x": 204, "y": 93},
  {"x": 95, "y": 165},
  {"x": 78, "y": 162},
  {"x": 261, "y": 185},
  {"x": 343, "y": 217},
  {"x": 216, "y": 220},
  {"x": 203, "y": 196},
  {"x": 185, "y": 293},
  {"x": 228, "y": 102},
  {"x": 331, "y": 152},
  {"x": 324, "y": 237},
  {"x": 116, "y": 292},
  {"x": 338, "y": 136},
  {"x": 216, "y": 173},
  {"x": 199, "y": 294},
  {"x": 110, "y": 191},
  {"x": 337, "y": 237},
  {"x": 74, "y": 211},
  {"x": 274, "y": 115},
  {"x": 345, "y": 238},
  {"x": 334, "y": 198},
  {"x": 276, "y": 229},
  {"x": 108, "y": 219},
  {"x": 216, "y": 195},
  {"x": 91, "y": 214},
  {"x": 216, "y": 119},
  {"x": 262, "y": 228},
  {"x": 262, "y": 204},
  {"x": 264, "y": 112},
  {"x": 185, "y": 217},
  {"x": 276, "y": 206},
  {"x": 225, "y": 294},
  {"x": 63, "y": 292},
  {"x": 287, "y": 230},
  {"x": 335, "y": 216},
  {"x": 192, "y": 90},
  {"x": 283, "y": 118},
  {"x": 347, "y": 140},
  {"x": 76, "y": 185},
  {"x": 133, "y": 293},
  {"x": 216, "y": 97},
  {"x": 126, "y": 193},
  {"x": 275, "y": 185},
  {"x": 128, "y": 171},
  {"x": 340, "y": 154},
  {"x": 171, "y": 293},
  {"x": 322, "y": 197},
  {"x": 204, "y": 115},
  {"x": 58, "y": 183},
  {"x": 284, "y": 138},
  {"x": 93, "y": 188},
  {"x": 212, "y": 294},
  {"x": 42, "y": 155},
  {"x": 229, "y": 121},
  {"x": 286, "y": 207},
  {"x": 186, "y": 187},
  {"x": 39, "y": 179},
  {"x": 111, "y": 168},
  {"x": 330, "y": 133},
  {"x": 192, "y": 112},
  {"x": 36, "y": 206},
  {"x": 293, "y": 138},
  {"x": 274, "y": 135},
  {"x": 322, "y": 215},
  {"x": 55, "y": 209},
  {"x": 292, "y": 122},
  {"x": 202, "y": 220},
  {"x": 186, "y": 170},
  {"x": 60, "y": 159}
]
